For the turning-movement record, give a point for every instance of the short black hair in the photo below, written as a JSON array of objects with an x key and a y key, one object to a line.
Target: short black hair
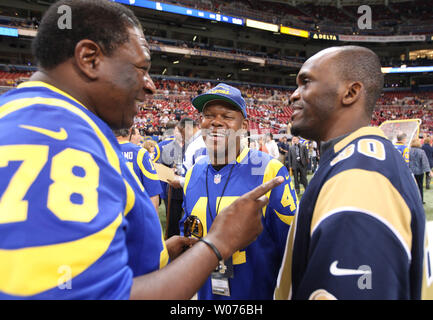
[
  {"x": 401, "y": 136},
  {"x": 101, "y": 21},
  {"x": 171, "y": 125},
  {"x": 356, "y": 63},
  {"x": 186, "y": 120},
  {"x": 121, "y": 132}
]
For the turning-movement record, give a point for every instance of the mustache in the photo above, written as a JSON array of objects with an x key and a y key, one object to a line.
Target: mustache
[
  {"x": 223, "y": 132},
  {"x": 296, "y": 106}
]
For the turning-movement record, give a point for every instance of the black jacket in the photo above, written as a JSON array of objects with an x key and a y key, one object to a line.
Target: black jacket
[{"x": 303, "y": 152}]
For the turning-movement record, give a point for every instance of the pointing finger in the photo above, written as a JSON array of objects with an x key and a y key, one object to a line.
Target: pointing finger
[{"x": 264, "y": 188}]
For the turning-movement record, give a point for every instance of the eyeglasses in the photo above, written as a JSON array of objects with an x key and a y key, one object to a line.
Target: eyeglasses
[{"x": 193, "y": 227}]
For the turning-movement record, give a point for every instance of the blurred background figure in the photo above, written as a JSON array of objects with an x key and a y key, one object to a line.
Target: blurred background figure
[
  {"x": 418, "y": 164},
  {"x": 428, "y": 149}
]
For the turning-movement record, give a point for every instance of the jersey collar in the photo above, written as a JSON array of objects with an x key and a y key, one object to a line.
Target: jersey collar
[
  {"x": 364, "y": 131},
  {"x": 31, "y": 84}
]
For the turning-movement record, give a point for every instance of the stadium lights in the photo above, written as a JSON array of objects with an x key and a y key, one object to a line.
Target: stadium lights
[
  {"x": 165, "y": 7},
  {"x": 294, "y": 32},
  {"x": 176, "y": 62},
  {"x": 10, "y": 32},
  {"x": 261, "y": 25},
  {"x": 245, "y": 69},
  {"x": 407, "y": 69},
  {"x": 195, "y": 37}
]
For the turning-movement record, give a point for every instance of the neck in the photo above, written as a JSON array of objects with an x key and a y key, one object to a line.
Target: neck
[
  {"x": 345, "y": 125},
  {"x": 219, "y": 160},
  {"x": 122, "y": 139},
  {"x": 56, "y": 78}
]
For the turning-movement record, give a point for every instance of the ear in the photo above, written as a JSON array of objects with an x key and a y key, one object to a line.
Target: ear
[
  {"x": 200, "y": 118},
  {"x": 245, "y": 124},
  {"x": 353, "y": 93},
  {"x": 88, "y": 56}
]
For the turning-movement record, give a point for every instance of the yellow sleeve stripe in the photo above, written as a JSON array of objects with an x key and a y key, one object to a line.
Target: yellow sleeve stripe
[
  {"x": 406, "y": 155},
  {"x": 130, "y": 166},
  {"x": 369, "y": 193},
  {"x": 163, "y": 256},
  {"x": 32, "y": 270},
  {"x": 271, "y": 172},
  {"x": 243, "y": 154},
  {"x": 157, "y": 153},
  {"x": 187, "y": 177},
  {"x": 286, "y": 219},
  {"x": 130, "y": 196},
  {"x": 147, "y": 174}
]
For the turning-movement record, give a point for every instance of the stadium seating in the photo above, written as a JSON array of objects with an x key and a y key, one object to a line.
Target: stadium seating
[{"x": 268, "y": 109}]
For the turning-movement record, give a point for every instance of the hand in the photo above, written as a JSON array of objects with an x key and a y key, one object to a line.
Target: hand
[
  {"x": 176, "y": 245},
  {"x": 239, "y": 224},
  {"x": 175, "y": 183}
]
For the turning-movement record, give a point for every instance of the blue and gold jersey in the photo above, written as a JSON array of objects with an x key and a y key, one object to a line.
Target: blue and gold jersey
[
  {"x": 64, "y": 192},
  {"x": 159, "y": 146},
  {"x": 404, "y": 150},
  {"x": 360, "y": 229},
  {"x": 255, "y": 267},
  {"x": 138, "y": 159}
]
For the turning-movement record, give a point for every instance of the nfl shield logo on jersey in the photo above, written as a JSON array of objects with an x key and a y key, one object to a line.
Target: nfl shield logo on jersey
[{"x": 217, "y": 178}]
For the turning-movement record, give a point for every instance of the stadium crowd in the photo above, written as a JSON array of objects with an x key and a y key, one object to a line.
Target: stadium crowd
[
  {"x": 392, "y": 19},
  {"x": 86, "y": 199},
  {"x": 267, "y": 107}
]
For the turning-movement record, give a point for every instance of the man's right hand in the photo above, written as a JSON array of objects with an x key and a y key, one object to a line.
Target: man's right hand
[
  {"x": 239, "y": 224},
  {"x": 175, "y": 183},
  {"x": 233, "y": 229}
]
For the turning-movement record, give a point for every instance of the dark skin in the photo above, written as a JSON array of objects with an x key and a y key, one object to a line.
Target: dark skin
[
  {"x": 110, "y": 86},
  {"x": 325, "y": 106},
  {"x": 221, "y": 117},
  {"x": 88, "y": 77}
]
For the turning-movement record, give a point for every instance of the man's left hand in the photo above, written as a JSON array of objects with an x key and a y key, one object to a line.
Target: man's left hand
[{"x": 176, "y": 245}]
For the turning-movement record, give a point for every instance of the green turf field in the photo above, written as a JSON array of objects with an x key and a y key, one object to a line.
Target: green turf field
[
  {"x": 428, "y": 199},
  {"x": 162, "y": 218}
]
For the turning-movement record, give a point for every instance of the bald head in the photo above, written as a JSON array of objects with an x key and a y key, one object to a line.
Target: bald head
[{"x": 357, "y": 64}]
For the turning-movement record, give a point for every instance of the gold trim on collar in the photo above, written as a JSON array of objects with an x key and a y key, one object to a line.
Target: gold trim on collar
[
  {"x": 30, "y": 84},
  {"x": 365, "y": 131},
  {"x": 242, "y": 155}
]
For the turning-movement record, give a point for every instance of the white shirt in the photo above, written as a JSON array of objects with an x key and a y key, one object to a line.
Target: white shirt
[
  {"x": 272, "y": 149},
  {"x": 195, "y": 150}
]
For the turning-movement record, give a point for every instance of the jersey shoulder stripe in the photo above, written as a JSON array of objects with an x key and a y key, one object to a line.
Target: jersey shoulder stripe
[{"x": 372, "y": 194}]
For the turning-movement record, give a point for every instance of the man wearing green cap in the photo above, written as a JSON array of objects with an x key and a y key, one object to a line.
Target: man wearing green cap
[{"x": 217, "y": 180}]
